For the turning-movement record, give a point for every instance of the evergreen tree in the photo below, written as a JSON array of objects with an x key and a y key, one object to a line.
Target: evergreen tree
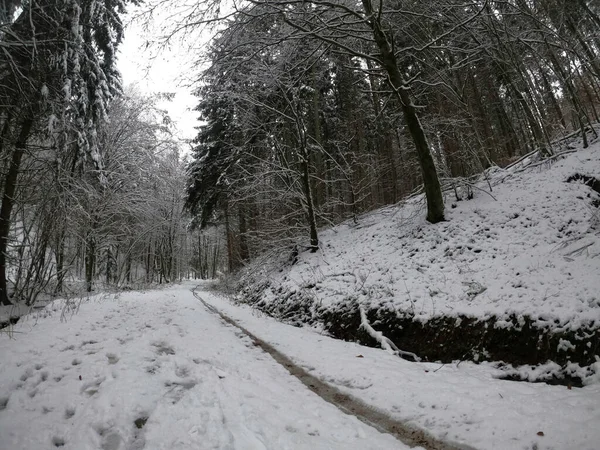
[{"x": 58, "y": 75}]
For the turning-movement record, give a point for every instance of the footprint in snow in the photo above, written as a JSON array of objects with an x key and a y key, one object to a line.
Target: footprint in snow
[
  {"x": 25, "y": 376},
  {"x": 69, "y": 412},
  {"x": 58, "y": 441},
  {"x": 139, "y": 441},
  {"x": 112, "y": 358},
  {"x": 153, "y": 367},
  {"x": 178, "y": 389},
  {"x": 125, "y": 340},
  {"x": 182, "y": 371},
  {"x": 162, "y": 348},
  {"x": 111, "y": 440},
  {"x": 91, "y": 387}
]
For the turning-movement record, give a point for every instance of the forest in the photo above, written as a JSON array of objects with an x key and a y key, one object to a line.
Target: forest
[
  {"x": 311, "y": 113},
  {"x": 383, "y": 233},
  {"x": 318, "y": 112}
]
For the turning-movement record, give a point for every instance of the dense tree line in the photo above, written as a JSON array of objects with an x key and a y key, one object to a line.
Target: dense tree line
[
  {"x": 92, "y": 181},
  {"x": 312, "y": 114},
  {"x": 317, "y": 111}
]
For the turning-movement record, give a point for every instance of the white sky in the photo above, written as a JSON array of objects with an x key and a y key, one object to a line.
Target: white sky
[{"x": 164, "y": 73}]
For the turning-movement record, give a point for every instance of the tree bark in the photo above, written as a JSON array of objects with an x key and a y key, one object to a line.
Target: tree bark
[
  {"x": 60, "y": 258},
  {"x": 310, "y": 209},
  {"x": 228, "y": 235},
  {"x": 433, "y": 190},
  {"x": 8, "y": 201},
  {"x": 90, "y": 260},
  {"x": 244, "y": 250}
]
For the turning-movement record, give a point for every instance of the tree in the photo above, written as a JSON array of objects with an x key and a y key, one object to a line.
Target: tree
[
  {"x": 445, "y": 86},
  {"x": 58, "y": 75},
  {"x": 258, "y": 139}
]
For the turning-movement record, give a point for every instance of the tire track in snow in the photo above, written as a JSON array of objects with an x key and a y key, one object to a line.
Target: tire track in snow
[{"x": 407, "y": 434}]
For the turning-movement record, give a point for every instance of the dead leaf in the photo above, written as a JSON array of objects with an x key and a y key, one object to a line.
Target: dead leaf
[
  {"x": 540, "y": 433},
  {"x": 359, "y": 356}
]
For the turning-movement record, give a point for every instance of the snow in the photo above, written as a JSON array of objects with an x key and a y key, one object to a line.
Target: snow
[
  {"x": 157, "y": 370},
  {"x": 157, "y": 356},
  {"x": 533, "y": 249},
  {"x": 461, "y": 403},
  {"x": 8, "y": 312}
]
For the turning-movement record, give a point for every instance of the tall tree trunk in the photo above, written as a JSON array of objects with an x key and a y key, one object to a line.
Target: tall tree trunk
[
  {"x": 433, "y": 190},
  {"x": 148, "y": 263},
  {"x": 228, "y": 235},
  {"x": 532, "y": 122},
  {"x": 242, "y": 224},
  {"x": 549, "y": 92},
  {"x": 8, "y": 201},
  {"x": 108, "y": 264},
  {"x": 308, "y": 198},
  {"x": 90, "y": 260},
  {"x": 128, "y": 265},
  {"x": 565, "y": 80},
  {"x": 60, "y": 258}
]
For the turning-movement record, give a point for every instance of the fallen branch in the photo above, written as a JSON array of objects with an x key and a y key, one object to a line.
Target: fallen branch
[
  {"x": 450, "y": 183},
  {"x": 385, "y": 342},
  {"x": 546, "y": 160}
]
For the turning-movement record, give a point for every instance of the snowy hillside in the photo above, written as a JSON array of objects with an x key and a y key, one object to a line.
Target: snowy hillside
[{"x": 526, "y": 252}]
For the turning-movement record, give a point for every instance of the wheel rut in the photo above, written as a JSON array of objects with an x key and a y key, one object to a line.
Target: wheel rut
[{"x": 406, "y": 433}]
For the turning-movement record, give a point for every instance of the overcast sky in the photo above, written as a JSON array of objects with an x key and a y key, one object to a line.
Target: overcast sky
[{"x": 164, "y": 73}]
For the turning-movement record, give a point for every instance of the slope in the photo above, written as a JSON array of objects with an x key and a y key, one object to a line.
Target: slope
[{"x": 512, "y": 275}]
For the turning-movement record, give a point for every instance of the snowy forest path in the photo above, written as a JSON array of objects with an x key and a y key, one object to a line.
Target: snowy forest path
[
  {"x": 156, "y": 370},
  {"x": 161, "y": 370},
  {"x": 369, "y": 414}
]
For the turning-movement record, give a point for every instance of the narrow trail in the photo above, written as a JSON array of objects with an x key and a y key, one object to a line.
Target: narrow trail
[
  {"x": 156, "y": 370},
  {"x": 181, "y": 368},
  {"x": 405, "y": 433}
]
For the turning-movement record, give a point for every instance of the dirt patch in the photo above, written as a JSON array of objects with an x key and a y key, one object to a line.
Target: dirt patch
[
  {"x": 592, "y": 182},
  {"x": 9, "y": 322},
  {"x": 140, "y": 422}
]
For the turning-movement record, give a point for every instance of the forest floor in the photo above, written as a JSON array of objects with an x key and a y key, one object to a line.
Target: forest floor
[
  {"x": 167, "y": 369},
  {"x": 512, "y": 275}
]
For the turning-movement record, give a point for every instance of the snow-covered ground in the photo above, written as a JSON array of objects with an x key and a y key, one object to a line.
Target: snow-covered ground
[
  {"x": 529, "y": 247},
  {"x": 8, "y": 312},
  {"x": 157, "y": 370},
  {"x": 460, "y": 403}
]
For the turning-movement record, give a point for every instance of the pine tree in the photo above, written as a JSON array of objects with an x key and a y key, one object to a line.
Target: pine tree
[{"x": 58, "y": 76}]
